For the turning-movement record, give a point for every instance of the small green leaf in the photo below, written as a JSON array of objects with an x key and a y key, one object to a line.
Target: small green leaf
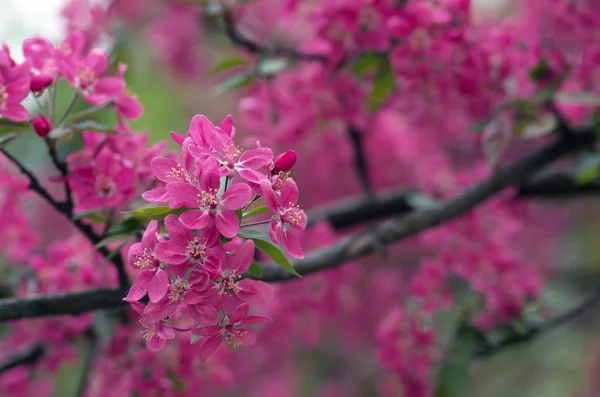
[
  {"x": 384, "y": 84},
  {"x": 178, "y": 385},
  {"x": 256, "y": 211},
  {"x": 131, "y": 225},
  {"x": 194, "y": 339},
  {"x": 540, "y": 70},
  {"x": 588, "y": 169},
  {"x": 96, "y": 217},
  {"x": 453, "y": 376},
  {"x": 227, "y": 64},
  {"x": 252, "y": 234},
  {"x": 8, "y": 127},
  {"x": 234, "y": 82},
  {"x": 112, "y": 238},
  {"x": 255, "y": 269},
  {"x": 155, "y": 213},
  {"x": 275, "y": 253},
  {"x": 272, "y": 66},
  {"x": 365, "y": 62},
  {"x": 480, "y": 125}
]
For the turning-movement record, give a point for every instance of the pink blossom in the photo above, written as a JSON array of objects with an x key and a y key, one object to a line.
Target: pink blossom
[
  {"x": 284, "y": 162},
  {"x": 286, "y": 215},
  {"x": 86, "y": 75},
  {"x": 41, "y": 125},
  {"x": 14, "y": 88},
  {"x": 211, "y": 206},
  {"x": 233, "y": 329}
]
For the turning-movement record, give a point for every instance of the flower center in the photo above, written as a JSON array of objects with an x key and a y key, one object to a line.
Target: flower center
[
  {"x": 178, "y": 289},
  {"x": 105, "y": 185},
  {"x": 235, "y": 336},
  {"x": 196, "y": 251},
  {"x": 146, "y": 260},
  {"x": 148, "y": 332},
  {"x": 177, "y": 173},
  {"x": 229, "y": 283},
  {"x": 292, "y": 214},
  {"x": 86, "y": 77},
  {"x": 232, "y": 153},
  {"x": 209, "y": 199},
  {"x": 3, "y": 96}
]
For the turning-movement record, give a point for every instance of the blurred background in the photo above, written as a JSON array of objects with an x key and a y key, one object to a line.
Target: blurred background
[{"x": 558, "y": 364}]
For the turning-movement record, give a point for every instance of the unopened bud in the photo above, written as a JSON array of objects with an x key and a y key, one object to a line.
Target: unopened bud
[
  {"x": 284, "y": 162},
  {"x": 41, "y": 81},
  {"x": 41, "y": 125}
]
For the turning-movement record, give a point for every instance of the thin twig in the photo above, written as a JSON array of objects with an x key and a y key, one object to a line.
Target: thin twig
[
  {"x": 27, "y": 357},
  {"x": 255, "y": 48},
  {"x": 360, "y": 160},
  {"x": 87, "y": 230},
  {"x": 91, "y": 342}
]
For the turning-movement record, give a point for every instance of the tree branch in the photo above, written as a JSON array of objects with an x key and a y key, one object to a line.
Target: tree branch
[
  {"x": 255, "y": 48},
  {"x": 360, "y": 161},
  {"x": 557, "y": 185},
  {"x": 29, "y": 356},
  {"x": 64, "y": 209},
  {"x": 68, "y": 303}
]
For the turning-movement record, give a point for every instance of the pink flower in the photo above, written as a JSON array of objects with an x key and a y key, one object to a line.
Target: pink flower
[
  {"x": 157, "y": 333},
  {"x": 127, "y": 104},
  {"x": 192, "y": 290},
  {"x": 153, "y": 279},
  {"x": 234, "y": 291},
  {"x": 233, "y": 328},
  {"x": 211, "y": 206},
  {"x": 185, "y": 248},
  {"x": 286, "y": 215},
  {"x": 284, "y": 162},
  {"x": 85, "y": 75},
  {"x": 168, "y": 170},
  {"x": 107, "y": 182},
  {"x": 15, "y": 84}
]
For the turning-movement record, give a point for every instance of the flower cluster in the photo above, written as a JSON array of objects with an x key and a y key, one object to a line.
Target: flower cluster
[{"x": 201, "y": 262}]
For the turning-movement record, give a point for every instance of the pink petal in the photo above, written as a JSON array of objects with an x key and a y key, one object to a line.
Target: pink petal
[
  {"x": 237, "y": 196},
  {"x": 255, "y": 320},
  {"x": 289, "y": 193},
  {"x": 209, "y": 347},
  {"x": 292, "y": 245},
  {"x": 97, "y": 61},
  {"x": 204, "y": 314},
  {"x": 165, "y": 332},
  {"x": 242, "y": 257},
  {"x": 196, "y": 219},
  {"x": 227, "y": 126},
  {"x": 166, "y": 169},
  {"x": 140, "y": 286},
  {"x": 150, "y": 236},
  {"x": 171, "y": 252},
  {"x": 158, "y": 195},
  {"x": 177, "y": 232},
  {"x": 239, "y": 313},
  {"x": 257, "y": 158},
  {"x": 275, "y": 230},
  {"x": 155, "y": 344},
  {"x": 159, "y": 310},
  {"x": 269, "y": 196},
  {"x": 227, "y": 223},
  {"x": 252, "y": 175},
  {"x": 184, "y": 193},
  {"x": 178, "y": 139},
  {"x": 15, "y": 112},
  {"x": 219, "y": 141},
  {"x": 208, "y": 330},
  {"x": 109, "y": 86},
  {"x": 253, "y": 291},
  {"x": 158, "y": 286},
  {"x": 248, "y": 338}
]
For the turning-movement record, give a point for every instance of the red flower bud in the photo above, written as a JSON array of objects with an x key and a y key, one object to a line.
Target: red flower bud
[
  {"x": 41, "y": 125},
  {"x": 41, "y": 81},
  {"x": 284, "y": 162}
]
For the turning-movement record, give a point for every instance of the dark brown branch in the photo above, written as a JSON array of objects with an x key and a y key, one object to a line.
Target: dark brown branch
[
  {"x": 68, "y": 303},
  {"x": 350, "y": 248},
  {"x": 236, "y": 37},
  {"x": 64, "y": 171},
  {"x": 557, "y": 185},
  {"x": 64, "y": 209},
  {"x": 360, "y": 161},
  {"x": 364, "y": 243},
  {"x": 27, "y": 357},
  {"x": 533, "y": 330}
]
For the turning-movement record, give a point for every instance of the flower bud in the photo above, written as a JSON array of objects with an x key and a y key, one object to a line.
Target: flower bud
[
  {"x": 284, "y": 162},
  {"x": 41, "y": 125},
  {"x": 41, "y": 81}
]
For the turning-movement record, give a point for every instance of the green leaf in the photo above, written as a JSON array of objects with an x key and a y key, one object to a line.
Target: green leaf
[
  {"x": 97, "y": 217},
  {"x": 227, "y": 64},
  {"x": 540, "y": 70},
  {"x": 275, "y": 253},
  {"x": 588, "y": 169},
  {"x": 453, "y": 376},
  {"x": 252, "y": 234},
  {"x": 255, "y": 269},
  {"x": 8, "y": 127},
  {"x": 234, "y": 82},
  {"x": 112, "y": 238},
  {"x": 255, "y": 211},
  {"x": 194, "y": 339},
  {"x": 384, "y": 84},
  {"x": 178, "y": 385},
  {"x": 365, "y": 62},
  {"x": 272, "y": 66},
  {"x": 131, "y": 225},
  {"x": 155, "y": 213},
  {"x": 480, "y": 125}
]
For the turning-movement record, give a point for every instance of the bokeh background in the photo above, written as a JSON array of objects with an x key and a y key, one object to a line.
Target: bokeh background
[{"x": 558, "y": 364}]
